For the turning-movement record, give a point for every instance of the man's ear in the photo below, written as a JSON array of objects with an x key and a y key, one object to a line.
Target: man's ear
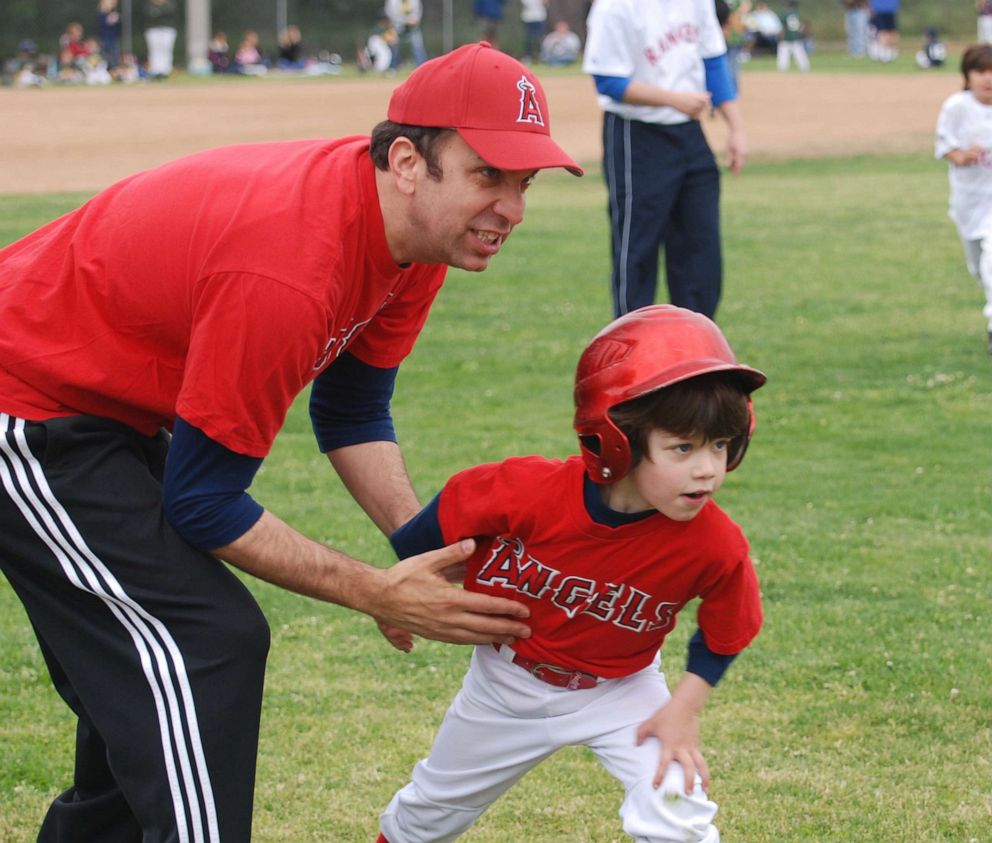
[{"x": 406, "y": 165}]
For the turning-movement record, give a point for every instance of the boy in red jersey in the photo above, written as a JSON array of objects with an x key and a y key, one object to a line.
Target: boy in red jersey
[
  {"x": 199, "y": 299},
  {"x": 604, "y": 549}
]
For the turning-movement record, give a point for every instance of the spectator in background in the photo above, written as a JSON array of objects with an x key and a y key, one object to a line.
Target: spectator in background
[
  {"x": 161, "y": 17},
  {"x": 72, "y": 53},
  {"x": 26, "y": 69},
  {"x": 792, "y": 40},
  {"x": 489, "y": 14},
  {"x": 219, "y": 54},
  {"x": 933, "y": 53},
  {"x": 857, "y": 14},
  {"x": 984, "y": 9},
  {"x": 291, "y": 49},
  {"x": 731, "y": 20},
  {"x": 249, "y": 57},
  {"x": 561, "y": 46},
  {"x": 534, "y": 14},
  {"x": 405, "y": 17},
  {"x": 109, "y": 24},
  {"x": 94, "y": 65},
  {"x": 763, "y": 29},
  {"x": 885, "y": 19},
  {"x": 377, "y": 54}
]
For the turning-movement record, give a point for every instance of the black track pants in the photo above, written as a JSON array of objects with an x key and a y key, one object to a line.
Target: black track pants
[
  {"x": 664, "y": 190},
  {"x": 158, "y": 648}
]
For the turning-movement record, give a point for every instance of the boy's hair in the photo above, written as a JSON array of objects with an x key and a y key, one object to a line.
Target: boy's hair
[
  {"x": 722, "y": 12},
  {"x": 976, "y": 57},
  {"x": 427, "y": 140},
  {"x": 714, "y": 406}
]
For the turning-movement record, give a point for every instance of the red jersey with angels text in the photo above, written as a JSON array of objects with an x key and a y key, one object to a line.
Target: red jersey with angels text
[
  {"x": 602, "y": 599},
  {"x": 215, "y": 287}
]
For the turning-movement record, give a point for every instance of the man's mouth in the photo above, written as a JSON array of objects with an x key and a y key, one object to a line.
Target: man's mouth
[{"x": 490, "y": 240}]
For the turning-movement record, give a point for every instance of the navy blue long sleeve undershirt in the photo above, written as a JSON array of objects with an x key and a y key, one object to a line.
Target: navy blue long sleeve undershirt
[{"x": 205, "y": 490}]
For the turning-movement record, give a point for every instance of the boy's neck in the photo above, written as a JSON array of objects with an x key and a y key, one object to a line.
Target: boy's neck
[{"x": 602, "y": 513}]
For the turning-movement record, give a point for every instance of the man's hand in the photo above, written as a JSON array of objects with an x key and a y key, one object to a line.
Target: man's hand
[
  {"x": 414, "y": 595},
  {"x": 417, "y": 596}
]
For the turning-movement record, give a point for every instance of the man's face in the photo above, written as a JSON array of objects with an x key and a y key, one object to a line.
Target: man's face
[{"x": 463, "y": 219}]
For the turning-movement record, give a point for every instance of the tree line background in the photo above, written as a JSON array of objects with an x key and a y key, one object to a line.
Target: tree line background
[{"x": 341, "y": 26}]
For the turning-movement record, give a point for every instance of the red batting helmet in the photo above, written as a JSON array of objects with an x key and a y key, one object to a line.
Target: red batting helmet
[{"x": 642, "y": 351}]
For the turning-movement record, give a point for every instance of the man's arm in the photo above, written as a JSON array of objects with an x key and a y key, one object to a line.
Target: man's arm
[
  {"x": 205, "y": 498},
  {"x": 350, "y": 412},
  {"x": 375, "y": 475},
  {"x": 413, "y": 594}
]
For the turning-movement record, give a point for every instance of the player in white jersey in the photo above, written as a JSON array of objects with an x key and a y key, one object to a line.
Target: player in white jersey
[
  {"x": 964, "y": 139},
  {"x": 659, "y": 66}
]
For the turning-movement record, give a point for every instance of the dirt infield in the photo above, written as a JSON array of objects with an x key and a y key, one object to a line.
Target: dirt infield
[{"x": 84, "y": 139}]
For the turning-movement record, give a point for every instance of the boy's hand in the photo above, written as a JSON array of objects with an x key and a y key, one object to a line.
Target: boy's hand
[
  {"x": 678, "y": 731},
  {"x": 691, "y": 103},
  {"x": 676, "y": 725},
  {"x": 965, "y": 157}
]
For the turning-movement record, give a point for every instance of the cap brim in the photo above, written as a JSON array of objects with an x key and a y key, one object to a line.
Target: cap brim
[{"x": 518, "y": 150}]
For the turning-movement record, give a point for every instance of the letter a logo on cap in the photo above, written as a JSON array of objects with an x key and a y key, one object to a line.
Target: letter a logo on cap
[{"x": 530, "y": 111}]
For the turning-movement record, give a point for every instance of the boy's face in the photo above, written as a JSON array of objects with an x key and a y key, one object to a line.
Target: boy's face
[
  {"x": 676, "y": 476},
  {"x": 980, "y": 85}
]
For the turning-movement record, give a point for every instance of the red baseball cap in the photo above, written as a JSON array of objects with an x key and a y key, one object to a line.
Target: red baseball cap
[{"x": 493, "y": 101}]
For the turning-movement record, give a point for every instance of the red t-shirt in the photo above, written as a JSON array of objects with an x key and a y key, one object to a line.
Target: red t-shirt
[
  {"x": 215, "y": 287},
  {"x": 602, "y": 599}
]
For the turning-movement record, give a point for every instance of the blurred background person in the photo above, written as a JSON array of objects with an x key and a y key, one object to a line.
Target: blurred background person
[
  {"x": 249, "y": 57},
  {"x": 885, "y": 19},
  {"x": 291, "y": 49},
  {"x": 561, "y": 46},
  {"x": 984, "y": 9},
  {"x": 792, "y": 39},
  {"x": 405, "y": 17},
  {"x": 161, "y": 19},
  {"x": 489, "y": 14},
  {"x": 857, "y": 14},
  {"x": 109, "y": 28},
  {"x": 534, "y": 15}
]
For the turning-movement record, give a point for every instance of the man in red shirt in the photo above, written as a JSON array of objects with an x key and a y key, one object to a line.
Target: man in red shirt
[{"x": 154, "y": 340}]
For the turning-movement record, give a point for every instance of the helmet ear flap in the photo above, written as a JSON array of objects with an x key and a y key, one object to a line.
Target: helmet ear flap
[{"x": 606, "y": 452}]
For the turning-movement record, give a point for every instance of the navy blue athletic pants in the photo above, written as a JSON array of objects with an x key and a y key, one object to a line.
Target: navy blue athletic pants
[
  {"x": 664, "y": 191},
  {"x": 158, "y": 648}
]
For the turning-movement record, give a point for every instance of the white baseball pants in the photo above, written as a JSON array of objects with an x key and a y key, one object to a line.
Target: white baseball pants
[
  {"x": 978, "y": 254},
  {"x": 792, "y": 49},
  {"x": 503, "y": 722},
  {"x": 161, "y": 41}
]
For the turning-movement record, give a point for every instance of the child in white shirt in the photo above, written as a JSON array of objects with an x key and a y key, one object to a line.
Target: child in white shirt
[{"x": 964, "y": 138}]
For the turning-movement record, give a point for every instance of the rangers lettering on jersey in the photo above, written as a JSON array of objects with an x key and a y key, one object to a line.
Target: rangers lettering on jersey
[
  {"x": 510, "y": 566},
  {"x": 530, "y": 110},
  {"x": 685, "y": 33}
]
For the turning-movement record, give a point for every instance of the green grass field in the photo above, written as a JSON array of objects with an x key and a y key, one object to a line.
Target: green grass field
[{"x": 863, "y": 712}]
